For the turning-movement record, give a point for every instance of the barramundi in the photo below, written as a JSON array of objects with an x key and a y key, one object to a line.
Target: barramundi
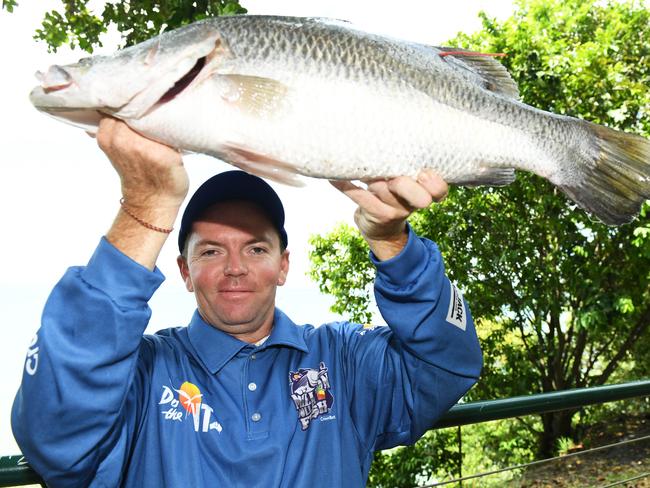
[{"x": 288, "y": 96}]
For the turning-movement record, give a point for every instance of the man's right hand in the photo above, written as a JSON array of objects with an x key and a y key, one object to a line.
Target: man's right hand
[
  {"x": 154, "y": 184},
  {"x": 152, "y": 174}
]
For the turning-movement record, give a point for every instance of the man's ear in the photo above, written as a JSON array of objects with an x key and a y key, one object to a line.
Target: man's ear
[
  {"x": 284, "y": 268},
  {"x": 185, "y": 273}
]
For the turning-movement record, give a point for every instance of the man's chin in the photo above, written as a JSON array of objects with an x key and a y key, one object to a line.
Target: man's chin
[
  {"x": 238, "y": 322},
  {"x": 238, "y": 318}
]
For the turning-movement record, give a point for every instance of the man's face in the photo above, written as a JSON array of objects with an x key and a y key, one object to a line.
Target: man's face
[{"x": 233, "y": 265}]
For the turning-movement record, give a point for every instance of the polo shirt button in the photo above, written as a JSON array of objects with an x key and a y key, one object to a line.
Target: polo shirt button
[
  {"x": 256, "y": 417},
  {"x": 253, "y": 356},
  {"x": 252, "y": 386}
]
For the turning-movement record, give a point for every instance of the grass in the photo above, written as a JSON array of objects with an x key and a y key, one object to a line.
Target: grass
[{"x": 600, "y": 468}]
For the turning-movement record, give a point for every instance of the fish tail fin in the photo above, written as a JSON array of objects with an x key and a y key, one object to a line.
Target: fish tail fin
[{"x": 615, "y": 182}]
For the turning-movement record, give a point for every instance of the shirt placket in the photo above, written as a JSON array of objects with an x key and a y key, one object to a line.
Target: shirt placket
[{"x": 257, "y": 419}]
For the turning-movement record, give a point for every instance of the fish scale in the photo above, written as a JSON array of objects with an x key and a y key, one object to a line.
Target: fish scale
[{"x": 285, "y": 96}]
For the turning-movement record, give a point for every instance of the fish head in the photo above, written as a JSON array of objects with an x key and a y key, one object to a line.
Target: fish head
[{"x": 128, "y": 84}]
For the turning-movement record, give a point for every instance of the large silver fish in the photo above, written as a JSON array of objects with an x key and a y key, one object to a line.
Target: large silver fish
[{"x": 280, "y": 96}]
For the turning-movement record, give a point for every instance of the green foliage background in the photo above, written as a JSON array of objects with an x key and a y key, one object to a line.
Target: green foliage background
[{"x": 136, "y": 20}]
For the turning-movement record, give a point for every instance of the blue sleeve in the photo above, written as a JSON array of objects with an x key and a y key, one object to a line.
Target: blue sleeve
[
  {"x": 81, "y": 368},
  {"x": 408, "y": 374}
]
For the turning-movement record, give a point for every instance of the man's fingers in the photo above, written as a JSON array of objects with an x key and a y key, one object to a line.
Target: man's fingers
[
  {"x": 413, "y": 194},
  {"x": 386, "y": 204},
  {"x": 381, "y": 188},
  {"x": 342, "y": 185},
  {"x": 362, "y": 197},
  {"x": 381, "y": 194},
  {"x": 358, "y": 195},
  {"x": 434, "y": 184},
  {"x": 110, "y": 132},
  {"x": 400, "y": 194}
]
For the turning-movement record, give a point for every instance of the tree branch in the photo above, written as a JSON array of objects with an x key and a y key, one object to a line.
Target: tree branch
[
  {"x": 638, "y": 330},
  {"x": 578, "y": 351}
]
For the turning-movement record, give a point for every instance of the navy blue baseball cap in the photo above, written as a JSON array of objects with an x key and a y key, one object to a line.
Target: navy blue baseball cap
[{"x": 233, "y": 185}]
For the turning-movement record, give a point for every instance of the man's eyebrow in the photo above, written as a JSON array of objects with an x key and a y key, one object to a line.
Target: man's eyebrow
[
  {"x": 252, "y": 240},
  {"x": 263, "y": 239},
  {"x": 208, "y": 242}
]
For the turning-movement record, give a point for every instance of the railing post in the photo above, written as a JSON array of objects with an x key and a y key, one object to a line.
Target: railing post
[{"x": 460, "y": 452}]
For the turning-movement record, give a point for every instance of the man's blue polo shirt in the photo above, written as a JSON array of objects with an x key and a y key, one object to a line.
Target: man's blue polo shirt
[{"x": 102, "y": 405}]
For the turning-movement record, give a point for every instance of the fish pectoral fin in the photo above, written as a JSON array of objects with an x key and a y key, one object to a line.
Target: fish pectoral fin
[
  {"x": 256, "y": 95},
  {"x": 487, "y": 176},
  {"x": 261, "y": 165},
  {"x": 493, "y": 75}
]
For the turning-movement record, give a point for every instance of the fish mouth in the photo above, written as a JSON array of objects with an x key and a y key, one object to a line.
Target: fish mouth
[
  {"x": 57, "y": 78},
  {"x": 183, "y": 82},
  {"x": 85, "y": 118}
]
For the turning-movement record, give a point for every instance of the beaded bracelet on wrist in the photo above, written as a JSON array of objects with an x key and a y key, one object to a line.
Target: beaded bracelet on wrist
[{"x": 142, "y": 222}]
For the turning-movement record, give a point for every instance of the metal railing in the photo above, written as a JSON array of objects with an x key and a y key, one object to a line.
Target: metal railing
[
  {"x": 14, "y": 470},
  {"x": 475, "y": 412}
]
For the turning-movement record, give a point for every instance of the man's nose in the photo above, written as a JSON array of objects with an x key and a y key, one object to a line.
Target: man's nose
[{"x": 235, "y": 266}]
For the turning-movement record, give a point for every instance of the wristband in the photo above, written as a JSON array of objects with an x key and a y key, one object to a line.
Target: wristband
[{"x": 142, "y": 222}]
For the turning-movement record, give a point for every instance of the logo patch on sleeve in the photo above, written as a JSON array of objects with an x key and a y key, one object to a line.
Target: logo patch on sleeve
[
  {"x": 31, "y": 363},
  {"x": 456, "y": 315}
]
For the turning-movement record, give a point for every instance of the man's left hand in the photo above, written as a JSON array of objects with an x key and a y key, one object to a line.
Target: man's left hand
[{"x": 386, "y": 204}]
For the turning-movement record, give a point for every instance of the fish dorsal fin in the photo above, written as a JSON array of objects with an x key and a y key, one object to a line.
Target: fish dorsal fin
[
  {"x": 255, "y": 95},
  {"x": 492, "y": 73}
]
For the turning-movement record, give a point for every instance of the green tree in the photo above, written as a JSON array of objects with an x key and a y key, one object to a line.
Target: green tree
[
  {"x": 566, "y": 300},
  {"x": 9, "y": 5},
  {"x": 136, "y": 20},
  {"x": 436, "y": 454}
]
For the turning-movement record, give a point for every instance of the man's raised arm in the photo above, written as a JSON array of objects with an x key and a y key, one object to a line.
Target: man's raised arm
[
  {"x": 410, "y": 373},
  {"x": 78, "y": 405}
]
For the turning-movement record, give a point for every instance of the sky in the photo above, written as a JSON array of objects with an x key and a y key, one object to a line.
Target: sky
[{"x": 59, "y": 194}]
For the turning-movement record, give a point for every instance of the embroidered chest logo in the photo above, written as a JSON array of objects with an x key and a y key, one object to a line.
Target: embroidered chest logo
[
  {"x": 190, "y": 400},
  {"x": 310, "y": 392}
]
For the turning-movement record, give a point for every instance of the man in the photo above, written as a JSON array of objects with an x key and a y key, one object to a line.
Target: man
[{"x": 241, "y": 397}]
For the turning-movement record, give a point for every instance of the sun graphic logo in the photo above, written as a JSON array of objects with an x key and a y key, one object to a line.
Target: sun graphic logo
[
  {"x": 366, "y": 328},
  {"x": 190, "y": 397}
]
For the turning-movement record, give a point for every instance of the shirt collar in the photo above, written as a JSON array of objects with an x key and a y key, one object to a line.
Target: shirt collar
[{"x": 215, "y": 348}]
